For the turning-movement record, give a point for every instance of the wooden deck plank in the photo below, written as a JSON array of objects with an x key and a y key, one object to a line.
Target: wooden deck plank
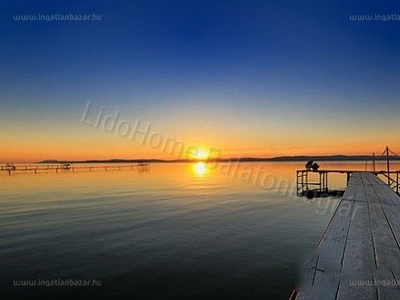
[
  {"x": 316, "y": 285},
  {"x": 377, "y": 180},
  {"x": 358, "y": 256},
  {"x": 388, "y": 251},
  {"x": 350, "y": 191},
  {"x": 324, "y": 267},
  {"x": 391, "y": 208},
  {"x": 387, "y": 195},
  {"x": 360, "y": 191},
  {"x": 323, "y": 271}
]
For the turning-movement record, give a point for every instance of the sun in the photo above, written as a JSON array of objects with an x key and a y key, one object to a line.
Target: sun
[
  {"x": 198, "y": 154},
  {"x": 200, "y": 168},
  {"x": 201, "y": 154}
]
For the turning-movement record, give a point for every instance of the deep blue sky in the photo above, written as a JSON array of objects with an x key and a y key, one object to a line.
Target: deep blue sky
[{"x": 264, "y": 76}]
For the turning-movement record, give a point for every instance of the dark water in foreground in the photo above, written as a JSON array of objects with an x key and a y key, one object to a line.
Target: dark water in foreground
[{"x": 180, "y": 231}]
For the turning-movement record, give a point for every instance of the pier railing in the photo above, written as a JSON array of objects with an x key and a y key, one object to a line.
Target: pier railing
[
  {"x": 319, "y": 188},
  {"x": 392, "y": 180},
  {"x": 311, "y": 187},
  {"x": 392, "y": 177}
]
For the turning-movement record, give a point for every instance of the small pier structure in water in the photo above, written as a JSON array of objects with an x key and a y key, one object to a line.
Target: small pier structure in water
[{"x": 9, "y": 169}]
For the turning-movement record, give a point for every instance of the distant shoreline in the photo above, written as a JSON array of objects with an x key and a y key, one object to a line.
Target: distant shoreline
[{"x": 243, "y": 159}]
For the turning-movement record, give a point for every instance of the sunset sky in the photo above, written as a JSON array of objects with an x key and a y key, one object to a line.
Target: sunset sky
[{"x": 248, "y": 78}]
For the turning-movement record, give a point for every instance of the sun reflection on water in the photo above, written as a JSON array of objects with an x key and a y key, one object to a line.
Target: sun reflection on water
[{"x": 200, "y": 168}]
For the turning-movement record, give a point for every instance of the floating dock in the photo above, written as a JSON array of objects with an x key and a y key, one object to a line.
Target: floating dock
[{"x": 358, "y": 255}]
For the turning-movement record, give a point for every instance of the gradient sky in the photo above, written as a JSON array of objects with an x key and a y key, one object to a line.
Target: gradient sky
[{"x": 249, "y": 78}]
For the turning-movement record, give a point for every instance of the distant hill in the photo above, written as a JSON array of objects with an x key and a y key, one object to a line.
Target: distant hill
[
  {"x": 324, "y": 158},
  {"x": 49, "y": 161},
  {"x": 95, "y": 161},
  {"x": 244, "y": 159},
  {"x": 318, "y": 158}
]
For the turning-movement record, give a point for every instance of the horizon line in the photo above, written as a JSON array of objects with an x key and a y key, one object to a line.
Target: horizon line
[{"x": 334, "y": 157}]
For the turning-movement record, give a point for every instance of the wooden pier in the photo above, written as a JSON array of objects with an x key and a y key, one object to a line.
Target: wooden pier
[
  {"x": 67, "y": 167},
  {"x": 320, "y": 187},
  {"x": 358, "y": 255}
]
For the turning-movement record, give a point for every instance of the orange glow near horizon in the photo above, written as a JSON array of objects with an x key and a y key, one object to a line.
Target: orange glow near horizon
[
  {"x": 232, "y": 135},
  {"x": 33, "y": 144},
  {"x": 25, "y": 154}
]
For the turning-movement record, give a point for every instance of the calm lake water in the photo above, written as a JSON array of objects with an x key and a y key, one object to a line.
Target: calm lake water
[{"x": 177, "y": 231}]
